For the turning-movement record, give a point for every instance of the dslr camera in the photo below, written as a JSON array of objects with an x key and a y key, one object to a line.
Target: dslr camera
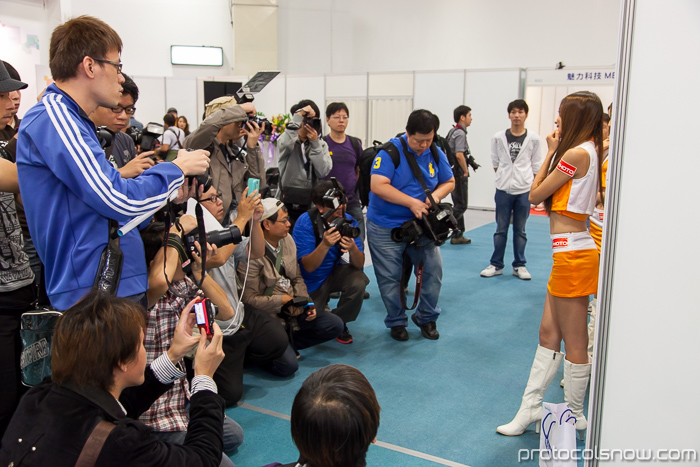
[
  {"x": 148, "y": 137},
  {"x": 333, "y": 199},
  {"x": 438, "y": 226},
  {"x": 259, "y": 120},
  {"x": 228, "y": 236},
  {"x": 313, "y": 122},
  {"x": 472, "y": 162}
]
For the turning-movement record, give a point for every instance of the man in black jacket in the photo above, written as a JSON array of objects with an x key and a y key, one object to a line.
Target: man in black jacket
[{"x": 100, "y": 374}]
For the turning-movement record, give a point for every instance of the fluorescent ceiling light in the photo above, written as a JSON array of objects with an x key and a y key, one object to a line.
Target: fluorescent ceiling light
[{"x": 199, "y": 56}]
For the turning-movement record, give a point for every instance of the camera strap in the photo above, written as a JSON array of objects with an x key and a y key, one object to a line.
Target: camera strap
[
  {"x": 202, "y": 238},
  {"x": 405, "y": 276},
  {"x": 416, "y": 170},
  {"x": 277, "y": 261},
  {"x": 109, "y": 269}
]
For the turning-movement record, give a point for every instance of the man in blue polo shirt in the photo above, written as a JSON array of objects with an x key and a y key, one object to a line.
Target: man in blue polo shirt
[
  {"x": 330, "y": 261},
  {"x": 396, "y": 197}
]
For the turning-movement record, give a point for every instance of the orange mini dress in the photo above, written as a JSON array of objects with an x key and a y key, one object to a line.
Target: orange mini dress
[{"x": 575, "y": 268}]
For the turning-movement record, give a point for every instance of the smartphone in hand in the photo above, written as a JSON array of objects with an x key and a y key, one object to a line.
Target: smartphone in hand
[{"x": 253, "y": 184}]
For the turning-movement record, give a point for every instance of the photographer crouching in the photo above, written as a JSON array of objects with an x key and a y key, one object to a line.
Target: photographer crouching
[
  {"x": 404, "y": 223},
  {"x": 324, "y": 235}
]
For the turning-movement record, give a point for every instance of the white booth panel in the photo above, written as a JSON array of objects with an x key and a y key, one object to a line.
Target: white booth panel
[
  {"x": 270, "y": 100},
  {"x": 390, "y": 84},
  {"x": 181, "y": 93},
  {"x": 533, "y": 97},
  {"x": 387, "y": 117},
  {"x": 151, "y": 104},
  {"x": 440, "y": 92},
  {"x": 488, "y": 94},
  {"x": 340, "y": 86},
  {"x": 305, "y": 87},
  {"x": 357, "y": 124}
]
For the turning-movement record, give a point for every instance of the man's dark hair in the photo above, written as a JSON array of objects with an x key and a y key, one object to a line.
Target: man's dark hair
[
  {"x": 519, "y": 104},
  {"x": 420, "y": 121},
  {"x": 303, "y": 103},
  {"x": 12, "y": 71},
  {"x": 321, "y": 188},
  {"x": 335, "y": 107},
  {"x": 93, "y": 337},
  {"x": 130, "y": 88},
  {"x": 76, "y": 39},
  {"x": 169, "y": 119},
  {"x": 152, "y": 238},
  {"x": 335, "y": 417},
  {"x": 461, "y": 111},
  {"x": 606, "y": 118}
]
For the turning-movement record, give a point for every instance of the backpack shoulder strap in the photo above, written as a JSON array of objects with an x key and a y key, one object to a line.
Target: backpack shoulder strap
[
  {"x": 356, "y": 145},
  {"x": 393, "y": 151}
]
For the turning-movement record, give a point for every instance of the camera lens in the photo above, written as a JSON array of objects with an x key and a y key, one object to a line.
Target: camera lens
[{"x": 229, "y": 236}]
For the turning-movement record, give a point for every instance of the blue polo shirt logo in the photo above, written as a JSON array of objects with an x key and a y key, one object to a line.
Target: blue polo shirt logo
[{"x": 432, "y": 170}]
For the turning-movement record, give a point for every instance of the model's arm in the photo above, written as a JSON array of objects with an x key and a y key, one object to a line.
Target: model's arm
[{"x": 574, "y": 162}]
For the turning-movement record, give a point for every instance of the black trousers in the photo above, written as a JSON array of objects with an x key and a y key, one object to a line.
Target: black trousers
[
  {"x": 460, "y": 197},
  {"x": 260, "y": 339},
  {"x": 12, "y": 305},
  {"x": 351, "y": 283}
]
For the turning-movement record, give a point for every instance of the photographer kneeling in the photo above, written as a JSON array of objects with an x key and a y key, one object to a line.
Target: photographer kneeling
[
  {"x": 397, "y": 196},
  {"x": 323, "y": 236},
  {"x": 100, "y": 375}
]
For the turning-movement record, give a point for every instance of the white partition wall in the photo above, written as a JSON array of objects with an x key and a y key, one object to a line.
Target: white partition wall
[
  {"x": 181, "y": 93},
  {"x": 351, "y": 89},
  {"x": 647, "y": 377},
  {"x": 440, "y": 92},
  {"x": 151, "y": 105},
  {"x": 305, "y": 87},
  {"x": 488, "y": 93}
]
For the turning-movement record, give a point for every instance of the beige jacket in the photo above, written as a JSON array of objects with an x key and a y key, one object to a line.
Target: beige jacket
[
  {"x": 227, "y": 180},
  {"x": 262, "y": 274}
]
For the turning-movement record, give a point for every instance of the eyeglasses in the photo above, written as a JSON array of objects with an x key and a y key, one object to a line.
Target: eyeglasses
[
  {"x": 340, "y": 117},
  {"x": 214, "y": 198},
  {"x": 119, "y": 109},
  {"x": 283, "y": 221},
  {"x": 117, "y": 65}
]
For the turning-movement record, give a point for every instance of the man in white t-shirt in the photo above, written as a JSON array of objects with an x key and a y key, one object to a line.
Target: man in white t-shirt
[{"x": 173, "y": 137}]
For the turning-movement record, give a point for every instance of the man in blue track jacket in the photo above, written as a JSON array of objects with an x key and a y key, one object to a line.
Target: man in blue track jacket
[{"x": 69, "y": 189}]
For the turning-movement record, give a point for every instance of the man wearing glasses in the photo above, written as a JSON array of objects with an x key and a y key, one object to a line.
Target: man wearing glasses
[
  {"x": 345, "y": 151},
  {"x": 71, "y": 193},
  {"x": 122, "y": 152}
]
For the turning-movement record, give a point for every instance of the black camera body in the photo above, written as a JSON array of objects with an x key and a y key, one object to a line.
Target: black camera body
[
  {"x": 344, "y": 227},
  {"x": 268, "y": 126},
  {"x": 472, "y": 163},
  {"x": 313, "y": 122},
  {"x": 204, "y": 180},
  {"x": 231, "y": 235},
  {"x": 105, "y": 136},
  {"x": 147, "y": 137},
  {"x": 439, "y": 225}
]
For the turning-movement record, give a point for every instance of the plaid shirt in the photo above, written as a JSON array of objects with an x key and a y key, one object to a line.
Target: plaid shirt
[{"x": 168, "y": 413}]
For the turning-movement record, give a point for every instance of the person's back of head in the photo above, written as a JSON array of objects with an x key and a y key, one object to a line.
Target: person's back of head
[
  {"x": 169, "y": 119},
  {"x": 93, "y": 337},
  {"x": 335, "y": 417},
  {"x": 320, "y": 189},
  {"x": 76, "y": 39}
]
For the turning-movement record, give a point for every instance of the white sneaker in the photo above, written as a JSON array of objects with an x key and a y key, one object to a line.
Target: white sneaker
[
  {"x": 491, "y": 271},
  {"x": 521, "y": 273}
]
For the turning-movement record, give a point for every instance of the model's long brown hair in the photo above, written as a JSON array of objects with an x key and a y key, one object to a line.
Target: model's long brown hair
[{"x": 581, "y": 119}]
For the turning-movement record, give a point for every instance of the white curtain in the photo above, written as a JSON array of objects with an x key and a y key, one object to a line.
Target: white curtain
[{"x": 388, "y": 117}]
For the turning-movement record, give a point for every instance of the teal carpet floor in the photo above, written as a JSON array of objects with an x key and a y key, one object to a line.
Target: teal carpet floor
[{"x": 441, "y": 400}]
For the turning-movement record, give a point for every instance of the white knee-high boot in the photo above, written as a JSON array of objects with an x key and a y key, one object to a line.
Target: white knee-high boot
[
  {"x": 592, "y": 311},
  {"x": 575, "y": 386},
  {"x": 544, "y": 367}
]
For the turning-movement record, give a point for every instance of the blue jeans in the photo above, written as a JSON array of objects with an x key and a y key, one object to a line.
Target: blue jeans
[
  {"x": 519, "y": 206},
  {"x": 387, "y": 257},
  {"x": 233, "y": 437}
]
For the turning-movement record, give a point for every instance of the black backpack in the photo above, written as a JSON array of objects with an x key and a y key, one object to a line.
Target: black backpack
[
  {"x": 367, "y": 160},
  {"x": 451, "y": 158}
]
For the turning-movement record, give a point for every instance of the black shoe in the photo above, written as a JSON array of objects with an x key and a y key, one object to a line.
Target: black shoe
[
  {"x": 365, "y": 296},
  {"x": 428, "y": 329},
  {"x": 334, "y": 295},
  {"x": 399, "y": 333},
  {"x": 345, "y": 337}
]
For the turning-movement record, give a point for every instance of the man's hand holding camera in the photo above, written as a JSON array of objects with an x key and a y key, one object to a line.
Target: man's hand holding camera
[
  {"x": 192, "y": 162},
  {"x": 183, "y": 340},
  {"x": 308, "y": 112},
  {"x": 253, "y": 131},
  {"x": 137, "y": 165}
]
